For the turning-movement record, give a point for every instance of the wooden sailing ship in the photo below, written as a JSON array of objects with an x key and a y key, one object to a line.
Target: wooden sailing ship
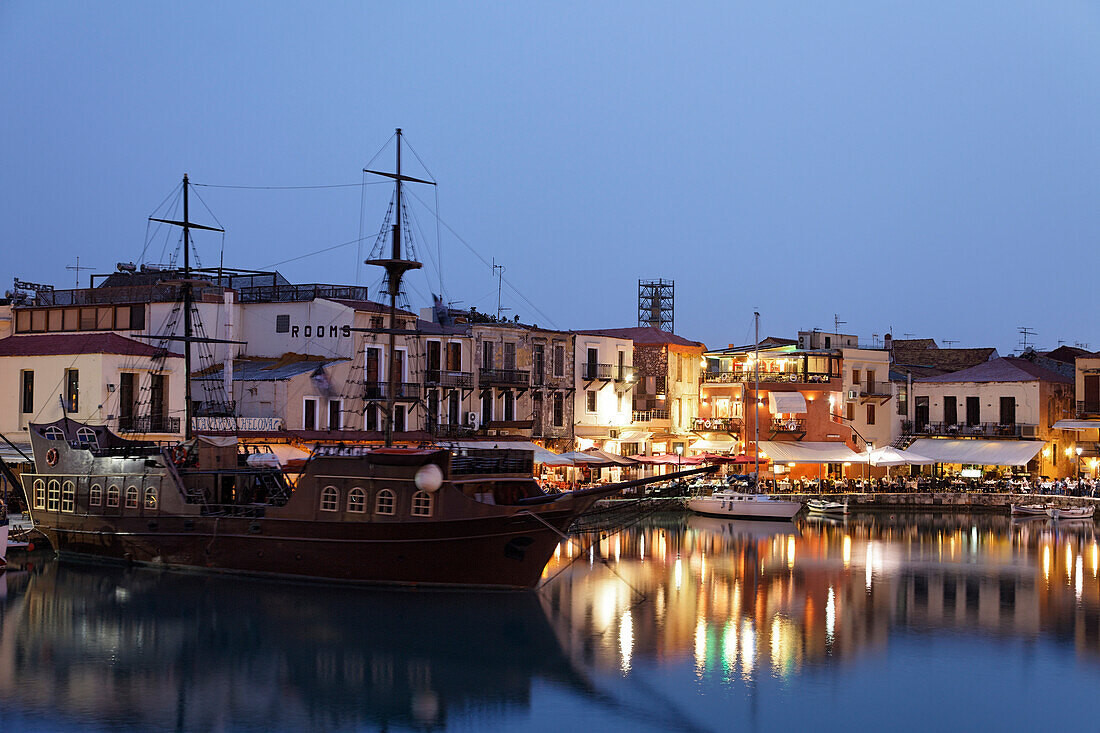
[{"x": 385, "y": 515}]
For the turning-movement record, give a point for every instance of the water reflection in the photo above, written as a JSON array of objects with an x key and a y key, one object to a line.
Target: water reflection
[{"x": 738, "y": 599}]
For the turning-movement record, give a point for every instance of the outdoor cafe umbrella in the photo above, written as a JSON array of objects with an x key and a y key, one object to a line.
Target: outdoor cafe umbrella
[{"x": 888, "y": 455}]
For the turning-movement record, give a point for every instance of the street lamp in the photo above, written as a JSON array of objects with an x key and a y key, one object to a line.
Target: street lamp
[
  {"x": 1080, "y": 450},
  {"x": 679, "y": 454}
]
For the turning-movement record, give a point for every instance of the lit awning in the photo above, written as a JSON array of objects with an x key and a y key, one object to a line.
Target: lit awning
[
  {"x": 634, "y": 436},
  {"x": 783, "y": 451},
  {"x": 891, "y": 456},
  {"x": 713, "y": 446},
  {"x": 1077, "y": 425},
  {"x": 978, "y": 452},
  {"x": 542, "y": 455},
  {"x": 788, "y": 402}
]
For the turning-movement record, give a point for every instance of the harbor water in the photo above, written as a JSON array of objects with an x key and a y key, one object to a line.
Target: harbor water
[{"x": 911, "y": 621}]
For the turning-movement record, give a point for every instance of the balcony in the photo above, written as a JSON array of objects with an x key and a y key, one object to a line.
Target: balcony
[
  {"x": 624, "y": 374},
  {"x": 450, "y": 432},
  {"x": 650, "y": 415},
  {"x": 149, "y": 424},
  {"x": 741, "y": 377},
  {"x": 504, "y": 378},
  {"x": 445, "y": 378},
  {"x": 789, "y": 425},
  {"x": 876, "y": 390},
  {"x": 981, "y": 430},
  {"x": 381, "y": 391},
  {"x": 1087, "y": 407},
  {"x": 590, "y": 371},
  {"x": 717, "y": 424}
]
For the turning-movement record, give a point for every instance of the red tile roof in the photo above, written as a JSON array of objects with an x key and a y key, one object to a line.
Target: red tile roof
[
  {"x": 55, "y": 344},
  {"x": 645, "y": 335},
  {"x": 1005, "y": 369}
]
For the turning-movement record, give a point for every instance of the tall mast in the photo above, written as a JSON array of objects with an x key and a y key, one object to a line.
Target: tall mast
[
  {"x": 756, "y": 399},
  {"x": 396, "y": 267},
  {"x": 188, "y": 327}
]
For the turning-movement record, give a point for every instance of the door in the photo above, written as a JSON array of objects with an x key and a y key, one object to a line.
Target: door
[
  {"x": 372, "y": 375},
  {"x": 1092, "y": 393},
  {"x": 435, "y": 357},
  {"x": 950, "y": 411},
  {"x": 1008, "y": 411},
  {"x": 126, "y": 394},
  {"x": 590, "y": 364},
  {"x": 452, "y": 409},
  {"x": 973, "y": 411},
  {"x": 454, "y": 357},
  {"x": 920, "y": 414},
  {"x": 538, "y": 364}
]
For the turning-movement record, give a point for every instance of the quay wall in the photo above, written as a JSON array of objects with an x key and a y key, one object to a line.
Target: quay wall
[{"x": 921, "y": 501}]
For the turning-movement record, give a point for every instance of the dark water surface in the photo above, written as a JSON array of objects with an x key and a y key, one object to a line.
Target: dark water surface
[{"x": 900, "y": 622}]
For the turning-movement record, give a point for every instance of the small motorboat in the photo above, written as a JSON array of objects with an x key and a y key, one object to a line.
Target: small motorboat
[
  {"x": 1070, "y": 512},
  {"x": 726, "y": 503},
  {"x": 1030, "y": 510},
  {"x": 824, "y": 506}
]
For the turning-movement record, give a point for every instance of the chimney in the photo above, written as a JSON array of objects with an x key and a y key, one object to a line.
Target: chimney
[{"x": 888, "y": 342}]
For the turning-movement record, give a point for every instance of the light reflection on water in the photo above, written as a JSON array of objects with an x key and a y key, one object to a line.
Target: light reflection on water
[{"x": 680, "y": 622}]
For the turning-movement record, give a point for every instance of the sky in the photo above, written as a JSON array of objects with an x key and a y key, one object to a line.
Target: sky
[{"x": 925, "y": 169}]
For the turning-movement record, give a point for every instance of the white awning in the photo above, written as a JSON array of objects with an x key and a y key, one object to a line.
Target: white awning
[
  {"x": 789, "y": 402},
  {"x": 1077, "y": 425},
  {"x": 634, "y": 436},
  {"x": 890, "y": 456},
  {"x": 713, "y": 446},
  {"x": 541, "y": 454},
  {"x": 784, "y": 451},
  {"x": 978, "y": 452}
]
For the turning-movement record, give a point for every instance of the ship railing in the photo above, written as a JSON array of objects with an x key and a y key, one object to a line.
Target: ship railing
[{"x": 467, "y": 461}]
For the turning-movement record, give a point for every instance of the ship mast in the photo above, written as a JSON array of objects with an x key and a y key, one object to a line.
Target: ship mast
[
  {"x": 395, "y": 267},
  {"x": 756, "y": 402}
]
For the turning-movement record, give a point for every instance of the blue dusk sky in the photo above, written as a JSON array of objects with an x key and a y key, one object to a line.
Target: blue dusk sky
[{"x": 924, "y": 168}]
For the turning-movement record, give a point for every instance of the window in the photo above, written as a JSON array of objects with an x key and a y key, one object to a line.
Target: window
[
  {"x": 68, "y": 497},
  {"x": 158, "y": 402},
  {"x": 486, "y": 407},
  {"x": 454, "y": 357},
  {"x": 559, "y": 410},
  {"x": 871, "y": 381},
  {"x": 87, "y": 319},
  {"x": 309, "y": 414},
  {"x": 71, "y": 320},
  {"x": 122, "y": 317},
  {"x": 385, "y": 502},
  {"x": 137, "y": 317},
  {"x": 28, "y": 392},
  {"x": 112, "y": 496},
  {"x": 590, "y": 400},
  {"x": 39, "y": 494},
  {"x": 53, "y": 433},
  {"x": 334, "y": 422},
  {"x": 559, "y": 360},
  {"x": 509, "y": 355},
  {"x": 487, "y": 355},
  {"x": 72, "y": 390},
  {"x": 398, "y": 418},
  {"x": 150, "y": 497},
  {"x": 53, "y": 320},
  {"x": 870, "y": 414},
  {"x": 509, "y": 406},
  {"x": 330, "y": 499},
  {"x": 855, "y": 378},
  {"x": 357, "y": 501},
  {"x": 376, "y": 322},
  {"x": 282, "y": 323},
  {"x": 131, "y": 497},
  {"x": 850, "y": 412},
  {"x": 95, "y": 495},
  {"x": 127, "y": 400},
  {"x": 538, "y": 364},
  {"x": 53, "y": 496},
  {"x": 87, "y": 437},
  {"x": 422, "y": 504}
]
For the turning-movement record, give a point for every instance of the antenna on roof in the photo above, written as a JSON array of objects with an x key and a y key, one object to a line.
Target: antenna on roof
[
  {"x": 837, "y": 323},
  {"x": 1024, "y": 332},
  {"x": 948, "y": 342},
  {"x": 77, "y": 268}
]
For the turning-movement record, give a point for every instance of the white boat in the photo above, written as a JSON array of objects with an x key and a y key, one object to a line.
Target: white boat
[
  {"x": 1075, "y": 512},
  {"x": 726, "y": 503},
  {"x": 1030, "y": 510},
  {"x": 823, "y": 506}
]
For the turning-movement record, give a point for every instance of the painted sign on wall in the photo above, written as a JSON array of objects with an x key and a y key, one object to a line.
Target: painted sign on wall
[{"x": 236, "y": 424}]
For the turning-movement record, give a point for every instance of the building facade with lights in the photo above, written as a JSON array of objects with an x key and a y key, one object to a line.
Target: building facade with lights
[{"x": 603, "y": 401}]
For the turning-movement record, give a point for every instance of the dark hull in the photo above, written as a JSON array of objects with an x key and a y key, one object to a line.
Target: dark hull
[{"x": 499, "y": 552}]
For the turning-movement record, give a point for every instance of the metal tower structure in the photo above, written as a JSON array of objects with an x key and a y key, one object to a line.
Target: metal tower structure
[{"x": 656, "y": 299}]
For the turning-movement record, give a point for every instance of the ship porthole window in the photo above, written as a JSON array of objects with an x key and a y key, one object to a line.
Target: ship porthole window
[
  {"x": 53, "y": 496},
  {"x": 95, "y": 495},
  {"x": 385, "y": 502},
  {"x": 330, "y": 499},
  {"x": 87, "y": 436},
  {"x": 53, "y": 433},
  {"x": 357, "y": 500},
  {"x": 112, "y": 496},
  {"x": 68, "y": 497},
  {"x": 39, "y": 494},
  {"x": 131, "y": 497},
  {"x": 150, "y": 498},
  {"x": 422, "y": 504}
]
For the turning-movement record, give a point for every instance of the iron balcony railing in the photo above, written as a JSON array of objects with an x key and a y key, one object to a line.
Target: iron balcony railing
[
  {"x": 1088, "y": 407},
  {"x": 450, "y": 431},
  {"x": 650, "y": 415},
  {"x": 476, "y": 461},
  {"x": 982, "y": 430},
  {"x": 789, "y": 425},
  {"x": 381, "y": 391},
  {"x": 149, "y": 424},
  {"x": 597, "y": 371},
  {"x": 739, "y": 377},
  {"x": 504, "y": 378},
  {"x": 875, "y": 389},
  {"x": 624, "y": 374},
  {"x": 718, "y": 424},
  {"x": 445, "y": 378}
]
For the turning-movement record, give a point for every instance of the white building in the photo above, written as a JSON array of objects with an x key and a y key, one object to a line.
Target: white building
[{"x": 603, "y": 400}]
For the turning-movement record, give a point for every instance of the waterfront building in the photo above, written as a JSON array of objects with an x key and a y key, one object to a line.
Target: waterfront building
[
  {"x": 603, "y": 400},
  {"x": 1002, "y": 412},
  {"x": 666, "y": 389},
  {"x": 101, "y": 378}
]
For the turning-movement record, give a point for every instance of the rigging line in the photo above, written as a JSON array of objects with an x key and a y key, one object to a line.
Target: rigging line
[
  {"x": 439, "y": 244},
  {"x": 316, "y": 252},
  {"x": 359, "y": 249},
  {"x": 178, "y": 190},
  {"x": 484, "y": 261},
  {"x": 423, "y": 165},
  {"x": 289, "y": 188},
  {"x": 210, "y": 211},
  {"x": 420, "y": 232},
  {"x": 384, "y": 146}
]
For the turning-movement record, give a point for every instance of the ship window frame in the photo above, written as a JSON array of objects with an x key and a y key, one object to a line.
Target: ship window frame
[
  {"x": 149, "y": 500},
  {"x": 40, "y": 494},
  {"x": 87, "y": 437},
  {"x": 95, "y": 495},
  {"x": 360, "y": 506},
  {"x": 68, "y": 497},
  {"x": 385, "y": 503},
  {"x": 113, "y": 496},
  {"x": 330, "y": 499},
  {"x": 421, "y": 504},
  {"x": 53, "y": 433},
  {"x": 53, "y": 495},
  {"x": 132, "y": 497}
]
